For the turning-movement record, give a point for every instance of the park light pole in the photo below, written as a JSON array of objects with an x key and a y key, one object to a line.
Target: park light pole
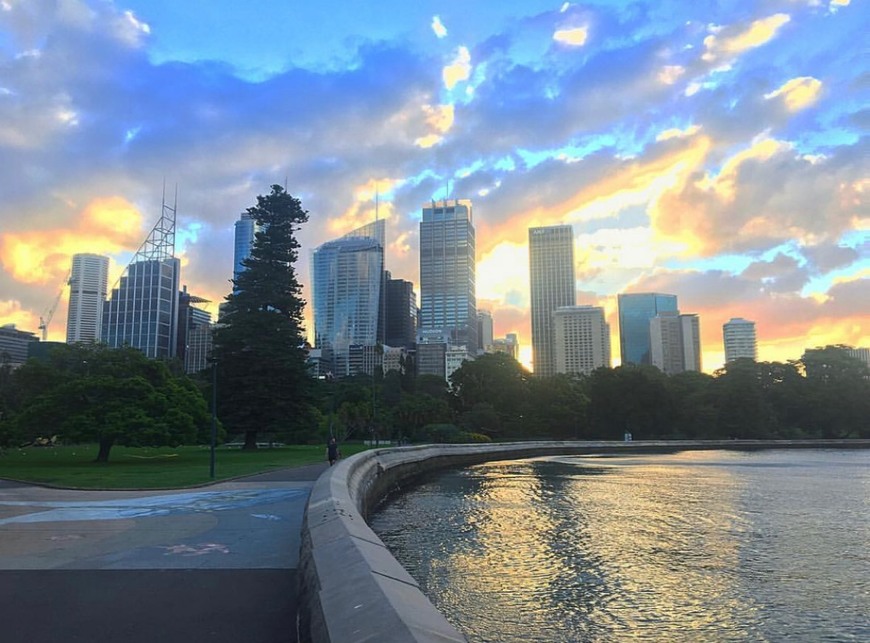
[{"x": 213, "y": 418}]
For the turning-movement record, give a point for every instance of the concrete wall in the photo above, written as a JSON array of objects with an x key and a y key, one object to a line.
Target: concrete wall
[{"x": 351, "y": 587}]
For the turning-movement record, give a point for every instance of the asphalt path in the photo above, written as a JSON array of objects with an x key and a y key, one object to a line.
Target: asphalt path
[{"x": 211, "y": 564}]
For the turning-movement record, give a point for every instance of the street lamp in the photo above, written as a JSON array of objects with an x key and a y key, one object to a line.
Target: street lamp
[{"x": 213, "y": 417}]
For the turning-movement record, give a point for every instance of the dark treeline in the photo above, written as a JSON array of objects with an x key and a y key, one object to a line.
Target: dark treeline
[
  {"x": 117, "y": 396},
  {"x": 826, "y": 394}
]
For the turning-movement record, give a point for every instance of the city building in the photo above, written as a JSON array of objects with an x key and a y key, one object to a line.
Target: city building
[
  {"x": 636, "y": 310},
  {"x": 194, "y": 332},
  {"x": 738, "y": 335},
  {"x": 142, "y": 309},
  {"x": 431, "y": 352},
  {"x": 675, "y": 342},
  {"x": 401, "y": 313},
  {"x": 348, "y": 286},
  {"x": 14, "y": 344},
  {"x": 89, "y": 282},
  {"x": 245, "y": 233},
  {"x": 581, "y": 338},
  {"x": 862, "y": 354},
  {"x": 394, "y": 358},
  {"x": 509, "y": 345},
  {"x": 448, "y": 299},
  {"x": 552, "y": 285},
  {"x": 484, "y": 332}
]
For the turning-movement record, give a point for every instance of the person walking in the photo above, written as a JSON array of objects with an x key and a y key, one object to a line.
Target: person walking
[{"x": 332, "y": 451}]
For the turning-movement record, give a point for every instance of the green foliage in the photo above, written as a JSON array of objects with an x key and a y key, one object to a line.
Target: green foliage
[
  {"x": 495, "y": 397},
  {"x": 263, "y": 379},
  {"x": 91, "y": 393}
]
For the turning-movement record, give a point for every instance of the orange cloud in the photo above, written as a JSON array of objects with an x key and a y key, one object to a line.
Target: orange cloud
[
  {"x": 575, "y": 37},
  {"x": 107, "y": 225},
  {"x": 458, "y": 70},
  {"x": 364, "y": 208},
  {"x": 798, "y": 93},
  {"x": 729, "y": 42},
  {"x": 439, "y": 119}
]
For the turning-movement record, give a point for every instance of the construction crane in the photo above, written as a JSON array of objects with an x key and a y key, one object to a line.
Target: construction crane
[{"x": 45, "y": 317}]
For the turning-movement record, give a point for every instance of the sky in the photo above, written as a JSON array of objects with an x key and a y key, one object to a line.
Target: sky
[{"x": 715, "y": 150}]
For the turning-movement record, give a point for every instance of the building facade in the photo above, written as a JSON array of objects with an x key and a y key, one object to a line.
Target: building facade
[
  {"x": 347, "y": 279},
  {"x": 675, "y": 342},
  {"x": 738, "y": 335},
  {"x": 194, "y": 332},
  {"x": 448, "y": 298},
  {"x": 400, "y": 318},
  {"x": 509, "y": 345},
  {"x": 552, "y": 285},
  {"x": 89, "y": 282},
  {"x": 581, "y": 338},
  {"x": 636, "y": 310},
  {"x": 484, "y": 332},
  {"x": 245, "y": 234},
  {"x": 14, "y": 344},
  {"x": 142, "y": 309}
]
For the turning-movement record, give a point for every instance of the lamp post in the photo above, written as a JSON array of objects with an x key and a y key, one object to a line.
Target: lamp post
[{"x": 213, "y": 418}]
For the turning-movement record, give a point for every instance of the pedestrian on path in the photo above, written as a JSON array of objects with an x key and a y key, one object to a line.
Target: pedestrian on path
[{"x": 332, "y": 452}]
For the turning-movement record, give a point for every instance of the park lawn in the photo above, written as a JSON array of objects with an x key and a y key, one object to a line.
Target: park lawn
[{"x": 151, "y": 468}]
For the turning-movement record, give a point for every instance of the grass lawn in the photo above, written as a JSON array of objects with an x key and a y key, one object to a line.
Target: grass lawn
[{"x": 151, "y": 468}]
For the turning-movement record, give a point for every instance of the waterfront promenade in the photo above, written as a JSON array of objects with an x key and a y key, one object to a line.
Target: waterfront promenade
[{"x": 212, "y": 564}]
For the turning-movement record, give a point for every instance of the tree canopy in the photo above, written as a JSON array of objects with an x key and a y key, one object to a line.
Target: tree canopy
[
  {"x": 92, "y": 393},
  {"x": 262, "y": 376}
]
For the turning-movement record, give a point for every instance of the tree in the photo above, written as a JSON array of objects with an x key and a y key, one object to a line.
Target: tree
[
  {"x": 109, "y": 396},
  {"x": 558, "y": 406},
  {"x": 496, "y": 379},
  {"x": 263, "y": 379}
]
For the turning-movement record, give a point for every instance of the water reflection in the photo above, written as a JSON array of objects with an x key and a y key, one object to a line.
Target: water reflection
[{"x": 698, "y": 546}]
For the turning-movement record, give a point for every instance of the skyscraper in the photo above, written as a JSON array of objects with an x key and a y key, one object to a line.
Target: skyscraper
[
  {"x": 88, "y": 282},
  {"x": 581, "y": 338},
  {"x": 448, "y": 298},
  {"x": 552, "y": 285},
  {"x": 484, "y": 331},
  {"x": 347, "y": 278},
  {"x": 400, "y": 318},
  {"x": 142, "y": 309},
  {"x": 635, "y": 312},
  {"x": 245, "y": 233},
  {"x": 738, "y": 335},
  {"x": 675, "y": 342}
]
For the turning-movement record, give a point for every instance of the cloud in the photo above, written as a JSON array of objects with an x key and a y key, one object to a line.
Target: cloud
[
  {"x": 762, "y": 195},
  {"x": 439, "y": 119},
  {"x": 575, "y": 36},
  {"x": 105, "y": 226},
  {"x": 670, "y": 74},
  {"x": 726, "y": 43},
  {"x": 798, "y": 93},
  {"x": 438, "y": 27},
  {"x": 459, "y": 69}
]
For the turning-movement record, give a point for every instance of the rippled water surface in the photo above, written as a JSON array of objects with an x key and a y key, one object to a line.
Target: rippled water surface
[{"x": 694, "y": 546}]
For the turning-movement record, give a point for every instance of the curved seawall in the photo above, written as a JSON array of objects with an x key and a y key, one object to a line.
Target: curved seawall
[{"x": 351, "y": 587}]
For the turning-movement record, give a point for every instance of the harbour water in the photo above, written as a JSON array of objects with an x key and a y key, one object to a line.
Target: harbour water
[{"x": 693, "y": 546}]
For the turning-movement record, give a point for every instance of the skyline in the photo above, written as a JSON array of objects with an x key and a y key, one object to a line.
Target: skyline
[{"x": 716, "y": 151}]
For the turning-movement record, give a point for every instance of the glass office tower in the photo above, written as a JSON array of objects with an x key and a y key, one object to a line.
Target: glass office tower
[
  {"x": 88, "y": 284},
  {"x": 448, "y": 298},
  {"x": 636, "y": 310},
  {"x": 347, "y": 279}
]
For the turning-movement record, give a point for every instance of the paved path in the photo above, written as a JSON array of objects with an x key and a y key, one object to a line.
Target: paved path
[{"x": 212, "y": 564}]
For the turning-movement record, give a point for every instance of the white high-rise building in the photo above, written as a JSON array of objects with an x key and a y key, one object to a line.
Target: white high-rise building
[
  {"x": 552, "y": 285},
  {"x": 738, "y": 335},
  {"x": 675, "y": 342},
  {"x": 89, "y": 282},
  {"x": 581, "y": 338}
]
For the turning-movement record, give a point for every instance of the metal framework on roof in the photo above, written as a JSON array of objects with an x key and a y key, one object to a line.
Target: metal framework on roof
[{"x": 160, "y": 243}]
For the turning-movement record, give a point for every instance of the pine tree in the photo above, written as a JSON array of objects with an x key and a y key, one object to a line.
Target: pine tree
[{"x": 263, "y": 380}]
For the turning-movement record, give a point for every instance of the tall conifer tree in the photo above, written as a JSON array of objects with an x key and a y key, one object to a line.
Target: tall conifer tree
[{"x": 263, "y": 380}]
